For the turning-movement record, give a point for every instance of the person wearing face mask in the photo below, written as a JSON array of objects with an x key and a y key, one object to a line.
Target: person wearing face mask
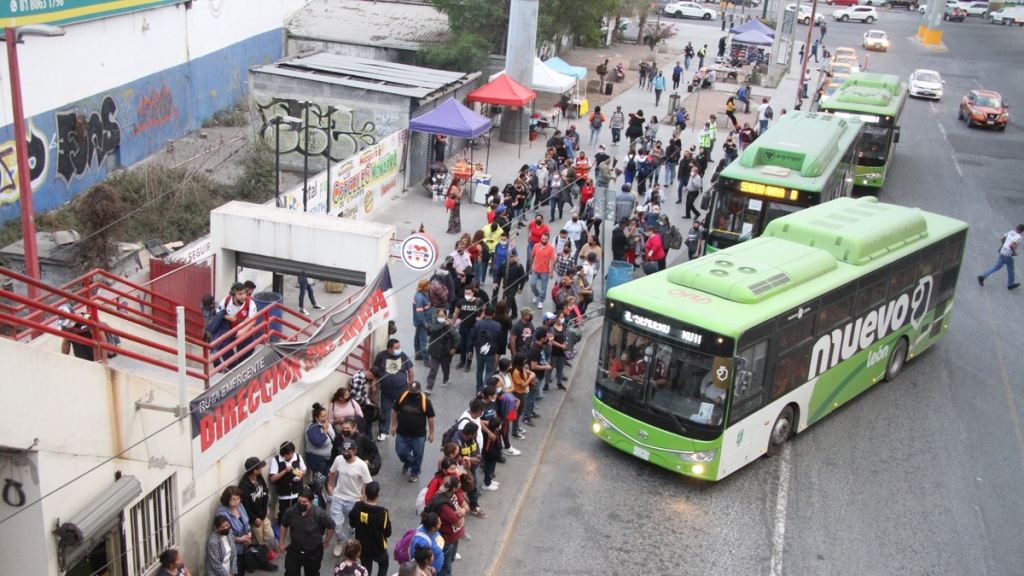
[
  {"x": 543, "y": 264},
  {"x": 466, "y": 312},
  {"x": 221, "y": 558},
  {"x": 444, "y": 343},
  {"x": 513, "y": 276},
  {"x": 576, "y": 231},
  {"x": 346, "y": 485},
  {"x": 396, "y": 373},
  {"x": 311, "y": 530},
  {"x": 537, "y": 229},
  {"x": 501, "y": 250},
  {"x": 366, "y": 448}
]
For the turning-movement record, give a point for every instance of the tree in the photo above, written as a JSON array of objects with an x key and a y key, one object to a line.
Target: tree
[
  {"x": 100, "y": 210},
  {"x": 462, "y": 53},
  {"x": 486, "y": 19}
]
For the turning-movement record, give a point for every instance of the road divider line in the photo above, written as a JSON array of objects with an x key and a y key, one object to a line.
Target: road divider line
[
  {"x": 946, "y": 138},
  {"x": 781, "y": 502}
]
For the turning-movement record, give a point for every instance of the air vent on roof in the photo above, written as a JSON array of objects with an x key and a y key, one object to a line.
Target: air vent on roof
[{"x": 767, "y": 284}]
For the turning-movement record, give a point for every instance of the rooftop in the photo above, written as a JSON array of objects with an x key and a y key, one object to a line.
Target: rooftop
[{"x": 401, "y": 25}]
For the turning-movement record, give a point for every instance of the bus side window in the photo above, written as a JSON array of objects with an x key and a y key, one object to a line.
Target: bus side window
[
  {"x": 749, "y": 385},
  {"x": 902, "y": 281},
  {"x": 835, "y": 314},
  {"x": 790, "y": 371},
  {"x": 870, "y": 297},
  {"x": 798, "y": 332}
]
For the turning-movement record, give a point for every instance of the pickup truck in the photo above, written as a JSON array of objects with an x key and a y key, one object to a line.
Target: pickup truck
[{"x": 1008, "y": 16}]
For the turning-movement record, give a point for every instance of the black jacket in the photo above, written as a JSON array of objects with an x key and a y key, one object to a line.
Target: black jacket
[
  {"x": 443, "y": 338},
  {"x": 513, "y": 276},
  {"x": 372, "y": 527},
  {"x": 620, "y": 243},
  {"x": 255, "y": 497}
]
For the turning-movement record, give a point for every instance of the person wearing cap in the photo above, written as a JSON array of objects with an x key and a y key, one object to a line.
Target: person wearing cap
[
  {"x": 521, "y": 337},
  {"x": 346, "y": 485},
  {"x": 421, "y": 315},
  {"x": 256, "y": 501},
  {"x": 412, "y": 427},
  {"x": 311, "y": 530}
]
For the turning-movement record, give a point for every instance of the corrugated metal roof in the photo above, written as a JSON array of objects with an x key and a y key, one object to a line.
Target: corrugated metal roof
[
  {"x": 402, "y": 25},
  {"x": 364, "y": 73}
]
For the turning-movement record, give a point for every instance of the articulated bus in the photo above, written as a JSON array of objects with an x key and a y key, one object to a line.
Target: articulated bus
[
  {"x": 877, "y": 100},
  {"x": 711, "y": 364},
  {"x": 805, "y": 159}
]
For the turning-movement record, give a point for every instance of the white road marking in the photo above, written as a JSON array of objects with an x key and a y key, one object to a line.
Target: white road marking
[
  {"x": 956, "y": 164},
  {"x": 781, "y": 501}
]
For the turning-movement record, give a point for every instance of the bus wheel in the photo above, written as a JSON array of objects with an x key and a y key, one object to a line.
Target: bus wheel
[
  {"x": 781, "y": 432},
  {"x": 896, "y": 360}
]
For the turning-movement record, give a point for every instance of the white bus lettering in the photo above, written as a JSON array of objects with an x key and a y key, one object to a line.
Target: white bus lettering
[{"x": 856, "y": 335}]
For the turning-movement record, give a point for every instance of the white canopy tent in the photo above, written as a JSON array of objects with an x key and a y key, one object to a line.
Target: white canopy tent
[{"x": 547, "y": 80}]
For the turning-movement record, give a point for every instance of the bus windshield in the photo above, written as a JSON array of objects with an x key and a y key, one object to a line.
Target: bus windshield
[
  {"x": 661, "y": 384},
  {"x": 874, "y": 147},
  {"x": 740, "y": 216}
]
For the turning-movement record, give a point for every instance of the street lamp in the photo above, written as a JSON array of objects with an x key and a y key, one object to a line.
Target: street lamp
[
  {"x": 12, "y": 36},
  {"x": 276, "y": 121}
]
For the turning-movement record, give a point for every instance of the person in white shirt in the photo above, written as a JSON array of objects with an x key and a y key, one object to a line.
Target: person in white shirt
[
  {"x": 575, "y": 228},
  {"x": 1007, "y": 251},
  {"x": 346, "y": 485},
  {"x": 762, "y": 115}
]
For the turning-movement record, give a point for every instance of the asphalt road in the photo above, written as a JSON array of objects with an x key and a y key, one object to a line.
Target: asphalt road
[{"x": 918, "y": 476}]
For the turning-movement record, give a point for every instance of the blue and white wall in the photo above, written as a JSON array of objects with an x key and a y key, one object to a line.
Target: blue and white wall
[{"x": 113, "y": 91}]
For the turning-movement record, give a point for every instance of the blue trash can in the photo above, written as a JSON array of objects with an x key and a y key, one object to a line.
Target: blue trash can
[
  {"x": 264, "y": 299},
  {"x": 619, "y": 272}
]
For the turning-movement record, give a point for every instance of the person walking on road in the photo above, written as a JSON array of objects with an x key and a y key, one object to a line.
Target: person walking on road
[
  {"x": 688, "y": 55},
  {"x": 484, "y": 340},
  {"x": 421, "y": 316},
  {"x": 306, "y": 288},
  {"x": 1007, "y": 251},
  {"x": 373, "y": 528},
  {"x": 413, "y": 424},
  {"x": 701, "y": 54},
  {"x": 823, "y": 29}
]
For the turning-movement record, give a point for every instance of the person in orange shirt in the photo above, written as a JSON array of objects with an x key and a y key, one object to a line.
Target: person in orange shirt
[
  {"x": 543, "y": 262},
  {"x": 597, "y": 121},
  {"x": 582, "y": 167}
]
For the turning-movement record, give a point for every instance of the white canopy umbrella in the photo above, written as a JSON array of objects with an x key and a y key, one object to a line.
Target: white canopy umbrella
[{"x": 547, "y": 80}]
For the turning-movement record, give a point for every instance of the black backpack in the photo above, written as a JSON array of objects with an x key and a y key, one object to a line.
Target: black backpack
[
  {"x": 597, "y": 122},
  {"x": 675, "y": 238},
  {"x": 449, "y": 435},
  {"x": 631, "y": 164},
  {"x": 485, "y": 341},
  {"x": 768, "y": 113}
]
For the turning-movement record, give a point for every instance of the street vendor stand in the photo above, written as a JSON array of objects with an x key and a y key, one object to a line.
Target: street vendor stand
[
  {"x": 503, "y": 91},
  {"x": 452, "y": 119}
]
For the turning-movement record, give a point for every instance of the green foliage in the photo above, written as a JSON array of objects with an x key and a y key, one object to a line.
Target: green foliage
[
  {"x": 235, "y": 116},
  {"x": 256, "y": 183},
  {"x": 462, "y": 53},
  {"x": 486, "y": 19},
  {"x": 659, "y": 33},
  {"x": 100, "y": 210}
]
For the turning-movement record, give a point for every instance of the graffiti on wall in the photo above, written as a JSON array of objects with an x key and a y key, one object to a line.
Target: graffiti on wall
[
  {"x": 83, "y": 139},
  {"x": 154, "y": 109},
  {"x": 37, "y": 165},
  {"x": 347, "y": 133}
]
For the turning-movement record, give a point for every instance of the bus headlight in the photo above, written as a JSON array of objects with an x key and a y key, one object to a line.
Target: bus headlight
[
  {"x": 600, "y": 422},
  {"x": 697, "y": 469},
  {"x": 705, "y": 456}
]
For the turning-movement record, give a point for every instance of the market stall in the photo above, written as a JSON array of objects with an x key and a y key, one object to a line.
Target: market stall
[
  {"x": 451, "y": 119},
  {"x": 503, "y": 91},
  {"x": 578, "y": 102}
]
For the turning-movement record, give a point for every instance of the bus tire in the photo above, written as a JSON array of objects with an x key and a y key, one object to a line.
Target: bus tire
[
  {"x": 897, "y": 359},
  {"x": 781, "y": 431}
]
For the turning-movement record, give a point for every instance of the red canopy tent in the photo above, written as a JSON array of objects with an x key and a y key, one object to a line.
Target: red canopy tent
[{"x": 503, "y": 91}]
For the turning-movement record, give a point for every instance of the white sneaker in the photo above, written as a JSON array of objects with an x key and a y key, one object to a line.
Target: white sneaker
[
  {"x": 511, "y": 451},
  {"x": 303, "y": 311},
  {"x": 458, "y": 556},
  {"x": 490, "y": 487},
  {"x": 382, "y": 438},
  {"x": 339, "y": 549},
  {"x": 317, "y": 307}
]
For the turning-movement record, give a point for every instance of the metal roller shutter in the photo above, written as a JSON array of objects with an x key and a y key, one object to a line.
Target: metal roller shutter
[
  {"x": 421, "y": 150},
  {"x": 290, "y": 268}
]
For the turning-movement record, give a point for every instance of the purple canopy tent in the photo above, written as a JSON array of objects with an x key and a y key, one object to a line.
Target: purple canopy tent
[{"x": 453, "y": 119}]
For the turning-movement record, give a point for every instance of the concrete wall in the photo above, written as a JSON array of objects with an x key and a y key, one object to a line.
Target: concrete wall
[
  {"x": 360, "y": 120},
  {"x": 296, "y": 46},
  {"x": 112, "y": 91},
  {"x": 90, "y": 417}
]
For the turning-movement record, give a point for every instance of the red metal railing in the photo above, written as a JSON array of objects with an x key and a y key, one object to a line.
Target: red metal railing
[{"x": 102, "y": 294}]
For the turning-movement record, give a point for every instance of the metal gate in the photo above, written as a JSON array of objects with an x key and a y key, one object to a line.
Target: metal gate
[{"x": 421, "y": 144}]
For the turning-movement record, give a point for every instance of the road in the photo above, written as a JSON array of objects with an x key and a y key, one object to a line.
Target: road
[{"x": 918, "y": 476}]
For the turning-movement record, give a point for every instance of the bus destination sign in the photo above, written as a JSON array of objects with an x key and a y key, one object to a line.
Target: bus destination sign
[
  {"x": 685, "y": 334},
  {"x": 768, "y": 191}
]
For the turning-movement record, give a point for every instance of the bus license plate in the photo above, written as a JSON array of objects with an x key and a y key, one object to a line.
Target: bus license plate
[{"x": 641, "y": 453}]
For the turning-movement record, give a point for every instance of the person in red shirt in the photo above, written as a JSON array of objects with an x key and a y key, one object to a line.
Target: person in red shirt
[
  {"x": 537, "y": 229},
  {"x": 586, "y": 192},
  {"x": 543, "y": 264},
  {"x": 654, "y": 252}
]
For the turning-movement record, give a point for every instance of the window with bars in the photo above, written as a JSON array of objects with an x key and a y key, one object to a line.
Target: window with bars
[{"x": 154, "y": 527}]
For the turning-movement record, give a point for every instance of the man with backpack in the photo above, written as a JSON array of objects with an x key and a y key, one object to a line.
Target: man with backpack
[
  {"x": 484, "y": 339},
  {"x": 445, "y": 341},
  {"x": 437, "y": 292},
  {"x": 373, "y": 528},
  {"x": 597, "y": 120},
  {"x": 618, "y": 121},
  {"x": 413, "y": 423},
  {"x": 764, "y": 115}
]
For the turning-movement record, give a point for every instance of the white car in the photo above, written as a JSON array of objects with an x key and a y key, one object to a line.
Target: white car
[
  {"x": 975, "y": 8},
  {"x": 925, "y": 84},
  {"x": 860, "y": 13},
  {"x": 690, "y": 10},
  {"x": 949, "y": 3},
  {"x": 804, "y": 15},
  {"x": 1008, "y": 17},
  {"x": 876, "y": 40}
]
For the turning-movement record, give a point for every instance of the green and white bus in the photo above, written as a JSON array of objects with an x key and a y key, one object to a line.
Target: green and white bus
[
  {"x": 711, "y": 364},
  {"x": 877, "y": 100},
  {"x": 805, "y": 159}
]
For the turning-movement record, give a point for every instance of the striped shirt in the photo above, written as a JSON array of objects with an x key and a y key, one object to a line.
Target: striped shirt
[{"x": 1010, "y": 242}]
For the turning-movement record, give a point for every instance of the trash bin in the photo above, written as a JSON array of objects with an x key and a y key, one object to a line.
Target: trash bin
[
  {"x": 264, "y": 299},
  {"x": 608, "y": 89},
  {"x": 619, "y": 272},
  {"x": 673, "y": 101}
]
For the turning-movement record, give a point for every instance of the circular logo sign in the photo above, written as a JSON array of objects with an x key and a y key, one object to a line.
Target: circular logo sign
[
  {"x": 689, "y": 296},
  {"x": 419, "y": 252}
]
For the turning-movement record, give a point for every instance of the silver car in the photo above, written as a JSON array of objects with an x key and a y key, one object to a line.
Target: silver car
[{"x": 926, "y": 84}]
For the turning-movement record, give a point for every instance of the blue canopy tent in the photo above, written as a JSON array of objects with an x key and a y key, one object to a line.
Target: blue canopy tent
[
  {"x": 753, "y": 26},
  {"x": 563, "y": 67},
  {"x": 454, "y": 119}
]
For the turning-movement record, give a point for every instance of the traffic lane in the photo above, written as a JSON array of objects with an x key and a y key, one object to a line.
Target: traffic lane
[{"x": 593, "y": 509}]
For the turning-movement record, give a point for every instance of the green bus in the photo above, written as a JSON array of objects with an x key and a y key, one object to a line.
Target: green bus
[
  {"x": 878, "y": 101},
  {"x": 805, "y": 159},
  {"x": 709, "y": 365}
]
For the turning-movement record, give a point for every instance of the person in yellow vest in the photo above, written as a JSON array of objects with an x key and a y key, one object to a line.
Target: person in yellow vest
[{"x": 582, "y": 167}]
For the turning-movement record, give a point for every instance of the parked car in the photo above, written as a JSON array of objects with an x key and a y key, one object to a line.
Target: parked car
[
  {"x": 908, "y": 4},
  {"x": 925, "y": 84},
  {"x": 954, "y": 14},
  {"x": 845, "y": 51},
  {"x": 859, "y": 13},
  {"x": 984, "y": 108},
  {"x": 1008, "y": 16},
  {"x": 853, "y": 62},
  {"x": 876, "y": 40},
  {"x": 804, "y": 16},
  {"x": 949, "y": 3},
  {"x": 842, "y": 2},
  {"x": 975, "y": 8},
  {"x": 826, "y": 92},
  {"x": 690, "y": 10}
]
